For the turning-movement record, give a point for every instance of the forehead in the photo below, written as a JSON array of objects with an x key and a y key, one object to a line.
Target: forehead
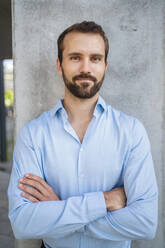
[{"x": 83, "y": 43}]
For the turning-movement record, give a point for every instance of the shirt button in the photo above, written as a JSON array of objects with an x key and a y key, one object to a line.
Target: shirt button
[
  {"x": 82, "y": 175},
  {"x": 81, "y": 149}
]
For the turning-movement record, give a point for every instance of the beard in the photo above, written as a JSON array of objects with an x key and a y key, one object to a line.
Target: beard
[{"x": 84, "y": 90}]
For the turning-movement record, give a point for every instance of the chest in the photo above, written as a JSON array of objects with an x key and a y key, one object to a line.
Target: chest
[
  {"x": 72, "y": 168},
  {"x": 80, "y": 128}
]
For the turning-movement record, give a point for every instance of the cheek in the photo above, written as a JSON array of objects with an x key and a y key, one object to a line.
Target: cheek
[
  {"x": 70, "y": 68},
  {"x": 100, "y": 72}
]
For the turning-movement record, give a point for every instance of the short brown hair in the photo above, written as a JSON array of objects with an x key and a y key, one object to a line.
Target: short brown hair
[{"x": 83, "y": 27}]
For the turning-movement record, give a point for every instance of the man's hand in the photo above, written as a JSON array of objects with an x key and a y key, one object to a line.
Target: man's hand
[
  {"x": 39, "y": 190},
  {"x": 115, "y": 199}
]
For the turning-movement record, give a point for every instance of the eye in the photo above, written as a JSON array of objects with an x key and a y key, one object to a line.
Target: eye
[
  {"x": 75, "y": 58},
  {"x": 96, "y": 59}
]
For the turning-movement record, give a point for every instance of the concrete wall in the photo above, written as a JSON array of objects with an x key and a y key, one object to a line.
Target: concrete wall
[{"x": 135, "y": 78}]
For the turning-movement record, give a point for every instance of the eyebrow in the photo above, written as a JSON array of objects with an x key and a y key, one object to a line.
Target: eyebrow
[{"x": 80, "y": 54}]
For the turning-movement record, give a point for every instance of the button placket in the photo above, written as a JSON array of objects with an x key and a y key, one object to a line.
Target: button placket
[{"x": 81, "y": 175}]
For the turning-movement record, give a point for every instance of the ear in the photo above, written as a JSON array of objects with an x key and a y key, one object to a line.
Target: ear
[
  {"x": 106, "y": 65},
  {"x": 58, "y": 66}
]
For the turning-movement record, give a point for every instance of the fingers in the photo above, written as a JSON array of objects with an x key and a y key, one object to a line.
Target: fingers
[
  {"x": 29, "y": 197},
  {"x": 35, "y": 188},
  {"x": 32, "y": 191},
  {"x": 118, "y": 189},
  {"x": 37, "y": 179},
  {"x": 115, "y": 198},
  {"x": 34, "y": 184}
]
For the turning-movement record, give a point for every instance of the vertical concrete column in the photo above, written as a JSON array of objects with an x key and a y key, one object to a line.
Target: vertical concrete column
[{"x": 135, "y": 77}]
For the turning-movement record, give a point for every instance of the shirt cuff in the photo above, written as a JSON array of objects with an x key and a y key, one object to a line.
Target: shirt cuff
[{"x": 96, "y": 205}]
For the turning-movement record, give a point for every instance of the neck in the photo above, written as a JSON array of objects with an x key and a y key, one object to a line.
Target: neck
[{"x": 78, "y": 109}]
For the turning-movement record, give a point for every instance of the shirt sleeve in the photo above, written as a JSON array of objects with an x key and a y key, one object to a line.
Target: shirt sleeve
[
  {"x": 138, "y": 220},
  {"x": 53, "y": 219}
]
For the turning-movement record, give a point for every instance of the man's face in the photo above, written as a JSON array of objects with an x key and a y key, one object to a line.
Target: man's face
[{"x": 83, "y": 64}]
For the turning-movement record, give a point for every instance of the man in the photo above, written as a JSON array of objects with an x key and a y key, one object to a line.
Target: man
[{"x": 83, "y": 173}]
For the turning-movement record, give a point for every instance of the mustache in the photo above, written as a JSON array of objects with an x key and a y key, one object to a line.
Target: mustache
[{"x": 86, "y": 76}]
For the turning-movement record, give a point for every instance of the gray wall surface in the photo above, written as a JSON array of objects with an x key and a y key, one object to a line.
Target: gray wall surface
[{"x": 135, "y": 78}]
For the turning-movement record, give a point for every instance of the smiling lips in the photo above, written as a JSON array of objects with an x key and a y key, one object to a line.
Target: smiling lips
[{"x": 85, "y": 78}]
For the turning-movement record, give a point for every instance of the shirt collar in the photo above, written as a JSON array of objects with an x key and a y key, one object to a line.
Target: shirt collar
[
  {"x": 57, "y": 107},
  {"x": 100, "y": 106}
]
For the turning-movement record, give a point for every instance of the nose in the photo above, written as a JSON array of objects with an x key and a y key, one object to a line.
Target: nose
[{"x": 85, "y": 66}]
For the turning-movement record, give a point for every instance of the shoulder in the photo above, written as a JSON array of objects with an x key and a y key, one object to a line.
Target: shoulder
[
  {"x": 121, "y": 119},
  {"x": 127, "y": 124},
  {"x": 37, "y": 123},
  {"x": 34, "y": 129}
]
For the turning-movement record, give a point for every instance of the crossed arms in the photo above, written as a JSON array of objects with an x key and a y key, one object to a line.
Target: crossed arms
[
  {"x": 39, "y": 190},
  {"x": 45, "y": 215}
]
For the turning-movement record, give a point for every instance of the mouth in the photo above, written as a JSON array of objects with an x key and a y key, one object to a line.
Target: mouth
[{"x": 86, "y": 80}]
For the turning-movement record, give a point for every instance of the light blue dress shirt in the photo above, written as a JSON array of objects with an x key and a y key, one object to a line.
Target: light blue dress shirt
[{"x": 115, "y": 152}]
